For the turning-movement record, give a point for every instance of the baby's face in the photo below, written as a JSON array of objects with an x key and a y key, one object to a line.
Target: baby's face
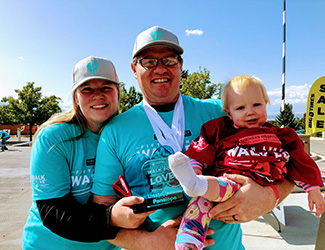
[{"x": 247, "y": 108}]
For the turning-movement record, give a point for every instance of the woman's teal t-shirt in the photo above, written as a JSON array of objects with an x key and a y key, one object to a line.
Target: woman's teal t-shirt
[{"x": 59, "y": 165}]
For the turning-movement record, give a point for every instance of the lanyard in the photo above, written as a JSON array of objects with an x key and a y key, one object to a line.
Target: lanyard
[{"x": 174, "y": 136}]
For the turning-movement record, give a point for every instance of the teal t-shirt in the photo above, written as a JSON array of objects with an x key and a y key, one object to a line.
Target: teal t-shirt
[
  {"x": 128, "y": 141},
  {"x": 58, "y": 166},
  {"x": 4, "y": 135}
]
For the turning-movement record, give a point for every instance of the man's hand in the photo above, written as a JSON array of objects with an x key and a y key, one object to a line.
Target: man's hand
[
  {"x": 176, "y": 223},
  {"x": 163, "y": 238},
  {"x": 249, "y": 202}
]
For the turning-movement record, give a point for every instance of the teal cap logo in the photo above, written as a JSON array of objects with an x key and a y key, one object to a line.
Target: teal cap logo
[
  {"x": 92, "y": 67},
  {"x": 155, "y": 34}
]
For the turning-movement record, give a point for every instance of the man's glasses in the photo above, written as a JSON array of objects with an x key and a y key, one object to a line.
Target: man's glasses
[{"x": 153, "y": 62}]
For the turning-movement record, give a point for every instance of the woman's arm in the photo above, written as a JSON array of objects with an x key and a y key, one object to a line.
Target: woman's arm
[
  {"x": 72, "y": 220},
  {"x": 122, "y": 214},
  {"x": 90, "y": 222}
]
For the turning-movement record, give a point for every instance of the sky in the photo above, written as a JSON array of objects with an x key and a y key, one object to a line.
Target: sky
[{"x": 41, "y": 40}]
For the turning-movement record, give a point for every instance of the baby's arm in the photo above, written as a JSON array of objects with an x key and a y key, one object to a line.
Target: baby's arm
[{"x": 315, "y": 197}]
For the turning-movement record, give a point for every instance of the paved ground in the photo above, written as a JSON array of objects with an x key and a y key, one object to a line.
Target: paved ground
[{"x": 15, "y": 198}]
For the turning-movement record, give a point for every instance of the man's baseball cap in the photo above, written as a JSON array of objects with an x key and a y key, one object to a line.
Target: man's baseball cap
[
  {"x": 156, "y": 36},
  {"x": 93, "y": 68}
]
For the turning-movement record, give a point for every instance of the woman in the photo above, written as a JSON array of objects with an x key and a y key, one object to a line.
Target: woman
[{"x": 62, "y": 160}]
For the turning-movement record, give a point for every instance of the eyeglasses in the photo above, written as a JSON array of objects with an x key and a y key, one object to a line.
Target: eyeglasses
[{"x": 153, "y": 62}]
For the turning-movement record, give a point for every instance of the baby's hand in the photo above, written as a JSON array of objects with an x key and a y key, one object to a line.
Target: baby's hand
[{"x": 316, "y": 198}]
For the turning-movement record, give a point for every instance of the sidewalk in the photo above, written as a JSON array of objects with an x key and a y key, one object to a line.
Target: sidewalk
[
  {"x": 300, "y": 231},
  {"x": 14, "y": 141},
  {"x": 15, "y": 196}
]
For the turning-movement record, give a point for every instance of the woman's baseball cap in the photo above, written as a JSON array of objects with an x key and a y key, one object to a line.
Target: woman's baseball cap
[
  {"x": 93, "y": 68},
  {"x": 156, "y": 36}
]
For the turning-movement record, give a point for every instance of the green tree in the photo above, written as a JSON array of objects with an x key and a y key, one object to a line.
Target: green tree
[
  {"x": 299, "y": 123},
  {"x": 286, "y": 118},
  {"x": 7, "y": 114},
  {"x": 48, "y": 106},
  {"x": 303, "y": 121},
  {"x": 198, "y": 84},
  {"x": 128, "y": 98},
  {"x": 29, "y": 108}
]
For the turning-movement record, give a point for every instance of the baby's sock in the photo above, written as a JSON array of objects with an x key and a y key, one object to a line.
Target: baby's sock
[
  {"x": 193, "y": 185},
  {"x": 194, "y": 225}
]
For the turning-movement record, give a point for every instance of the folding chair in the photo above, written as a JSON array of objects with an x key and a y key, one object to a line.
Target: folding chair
[{"x": 278, "y": 214}]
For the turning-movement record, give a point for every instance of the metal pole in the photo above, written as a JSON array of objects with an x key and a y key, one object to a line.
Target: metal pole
[
  {"x": 18, "y": 134},
  {"x": 283, "y": 56}
]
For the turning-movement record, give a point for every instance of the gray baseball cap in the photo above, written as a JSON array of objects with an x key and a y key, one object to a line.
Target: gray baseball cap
[
  {"x": 156, "y": 36},
  {"x": 93, "y": 68}
]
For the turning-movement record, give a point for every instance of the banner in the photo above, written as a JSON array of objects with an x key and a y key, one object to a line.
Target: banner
[{"x": 315, "y": 114}]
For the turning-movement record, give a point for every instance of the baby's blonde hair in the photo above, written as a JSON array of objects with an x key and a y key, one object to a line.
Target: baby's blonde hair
[{"x": 240, "y": 83}]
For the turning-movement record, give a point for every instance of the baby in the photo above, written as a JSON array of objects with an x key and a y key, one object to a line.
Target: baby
[{"x": 240, "y": 143}]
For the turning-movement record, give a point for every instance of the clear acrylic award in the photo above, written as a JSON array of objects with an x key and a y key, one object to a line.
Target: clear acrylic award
[{"x": 162, "y": 188}]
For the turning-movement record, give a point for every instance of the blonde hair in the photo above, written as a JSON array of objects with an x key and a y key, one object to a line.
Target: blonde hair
[
  {"x": 75, "y": 116},
  {"x": 240, "y": 83}
]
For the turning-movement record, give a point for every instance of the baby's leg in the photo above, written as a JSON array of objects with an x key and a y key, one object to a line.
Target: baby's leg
[
  {"x": 194, "y": 226},
  {"x": 226, "y": 189},
  {"x": 193, "y": 185},
  {"x": 195, "y": 223},
  {"x": 211, "y": 188}
]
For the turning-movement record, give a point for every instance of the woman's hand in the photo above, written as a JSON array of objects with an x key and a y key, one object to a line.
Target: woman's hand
[{"x": 122, "y": 214}]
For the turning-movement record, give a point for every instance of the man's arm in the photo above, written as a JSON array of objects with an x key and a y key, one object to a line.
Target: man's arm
[
  {"x": 135, "y": 239},
  {"x": 162, "y": 238},
  {"x": 250, "y": 201}
]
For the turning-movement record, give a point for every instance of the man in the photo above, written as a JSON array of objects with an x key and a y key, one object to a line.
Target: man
[
  {"x": 164, "y": 123},
  {"x": 4, "y": 137}
]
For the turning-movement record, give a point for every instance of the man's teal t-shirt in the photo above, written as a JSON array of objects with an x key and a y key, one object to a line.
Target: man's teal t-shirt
[{"x": 128, "y": 141}]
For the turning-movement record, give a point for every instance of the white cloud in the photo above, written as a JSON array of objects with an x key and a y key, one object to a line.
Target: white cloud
[
  {"x": 196, "y": 32},
  {"x": 21, "y": 58},
  {"x": 48, "y": 94},
  {"x": 294, "y": 94},
  {"x": 65, "y": 105}
]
